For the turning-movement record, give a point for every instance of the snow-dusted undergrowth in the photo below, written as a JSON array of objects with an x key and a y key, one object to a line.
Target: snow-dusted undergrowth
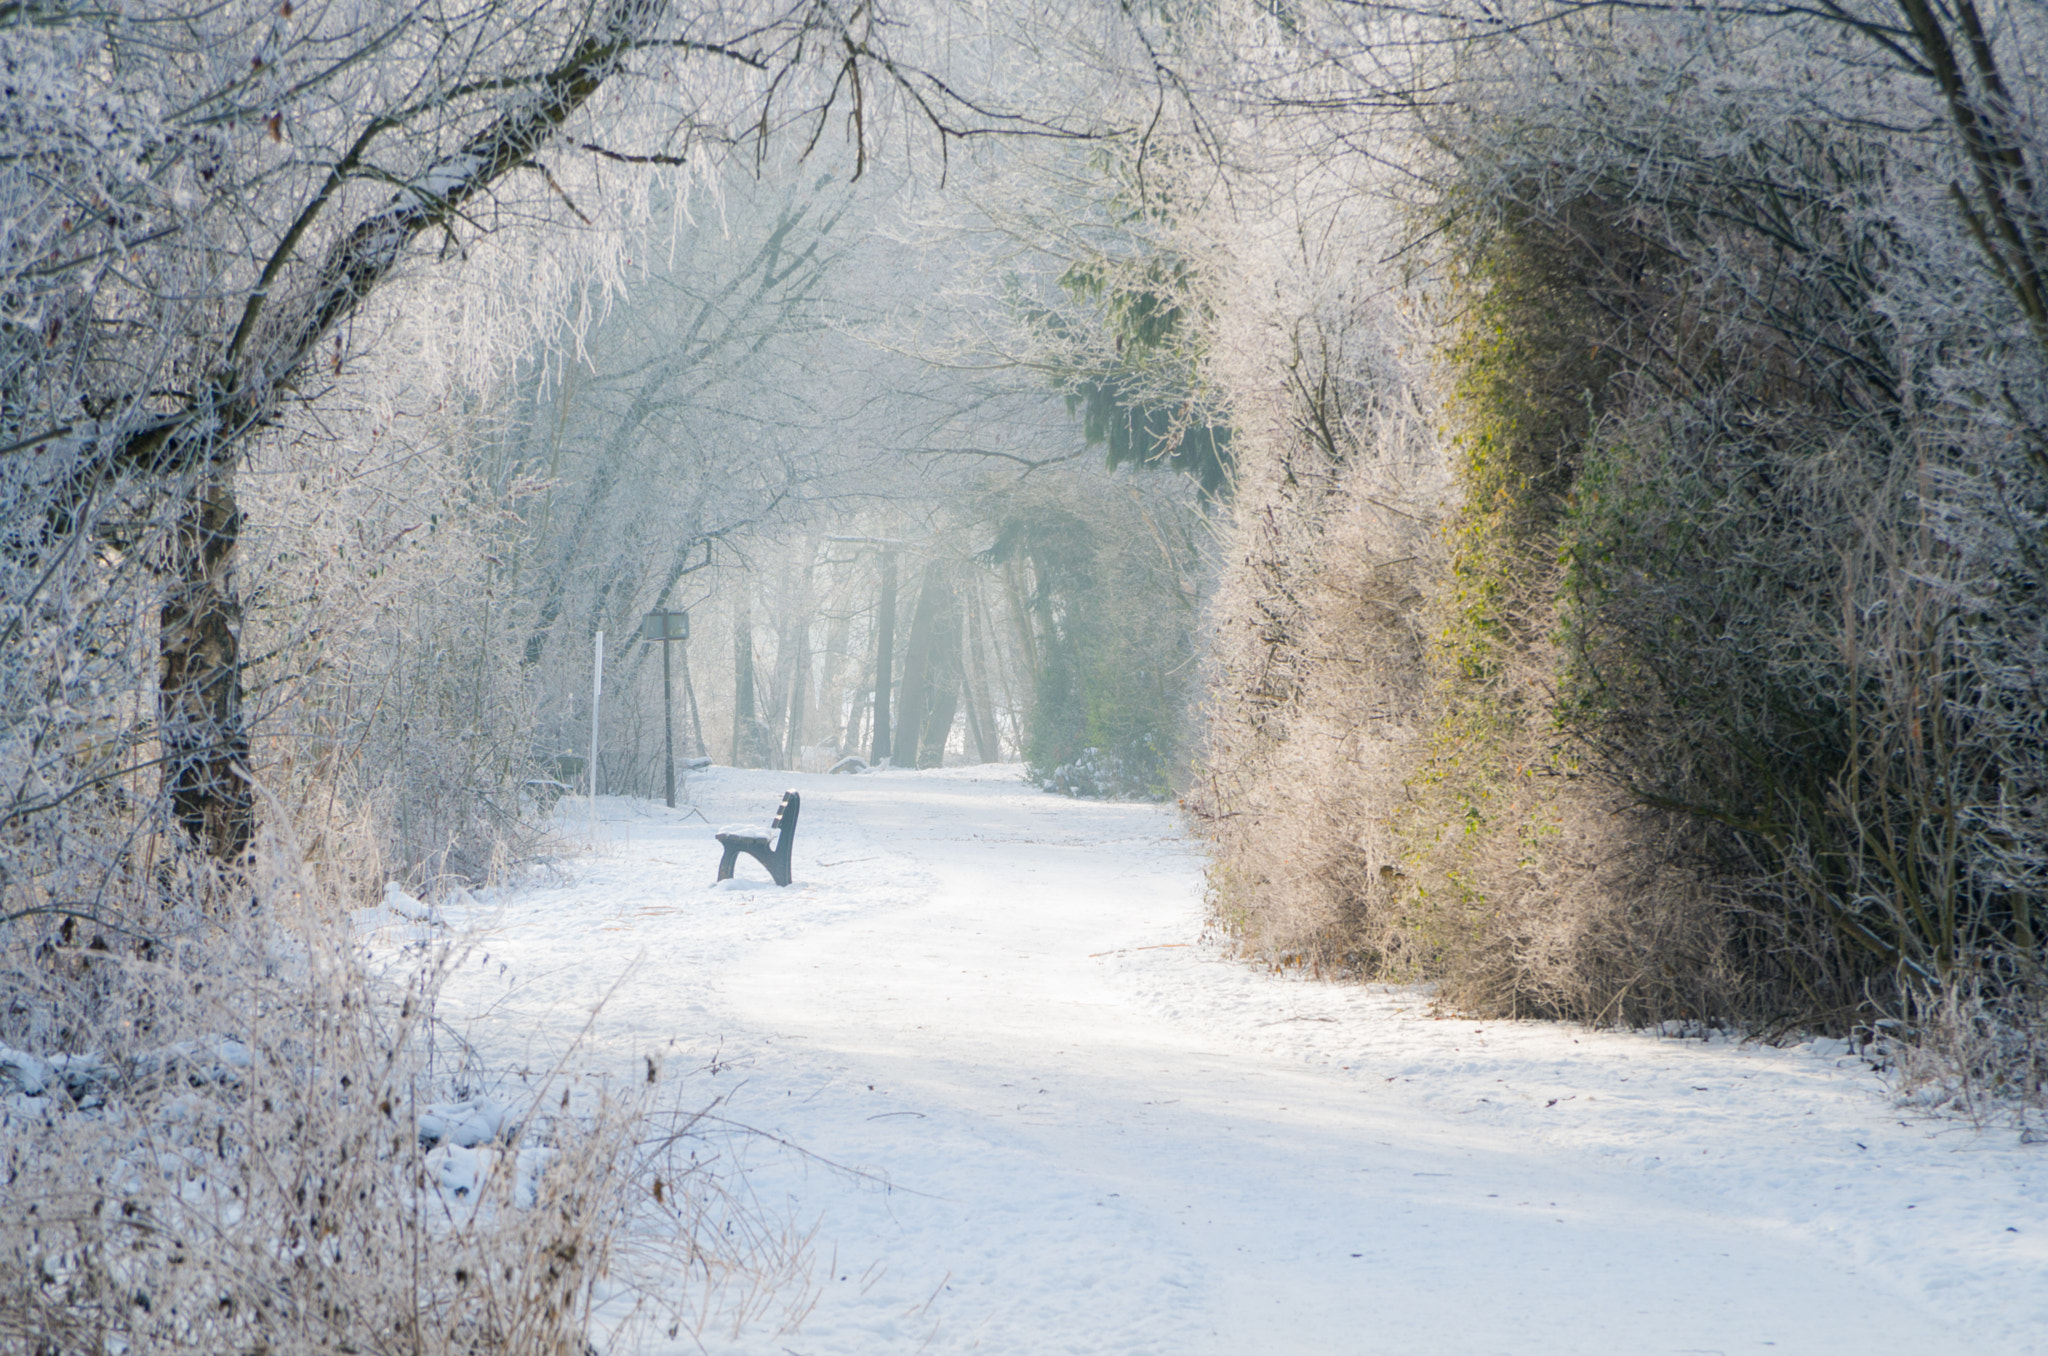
[{"x": 226, "y": 1132}]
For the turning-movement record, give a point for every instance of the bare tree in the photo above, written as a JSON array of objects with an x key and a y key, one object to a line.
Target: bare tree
[{"x": 217, "y": 196}]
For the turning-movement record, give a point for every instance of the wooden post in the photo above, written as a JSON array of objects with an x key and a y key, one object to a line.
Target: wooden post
[{"x": 668, "y": 728}]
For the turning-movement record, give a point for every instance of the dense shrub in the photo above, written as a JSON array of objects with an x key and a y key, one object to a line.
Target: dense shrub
[{"x": 1726, "y": 699}]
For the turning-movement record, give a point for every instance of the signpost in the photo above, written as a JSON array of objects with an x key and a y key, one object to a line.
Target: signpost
[{"x": 666, "y": 627}]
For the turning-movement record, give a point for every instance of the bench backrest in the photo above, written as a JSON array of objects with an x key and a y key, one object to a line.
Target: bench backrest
[{"x": 784, "y": 825}]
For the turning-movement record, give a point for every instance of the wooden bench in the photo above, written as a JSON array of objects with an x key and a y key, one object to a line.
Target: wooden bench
[{"x": 775, "y": 858}]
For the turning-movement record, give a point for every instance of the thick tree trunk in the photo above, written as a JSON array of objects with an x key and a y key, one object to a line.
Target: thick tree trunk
[
  {"x": 199, "y": 690},
  {"x": 942, "y": 680},
  {"x": 931, "y": 673},
  {"x": 917, "y": 655},
  {"x": 944, "y": 706}
]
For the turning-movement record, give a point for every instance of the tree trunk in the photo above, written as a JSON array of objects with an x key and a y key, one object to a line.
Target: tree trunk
[
  {"x": 1020, "y": 616},
  {"x": 911, "y": 705},
  {"x": 943, "y": 677},
  {"x": 885, "y": 641},
  {"x": 831, "y": 687},
  {"x": 857, "y": 720},
  {"x": 794, "y": 658},
  {"x": 743, "y": 718},
  {"x": 938, "y": 727},
  {"x": 199, "y": 688},
  {"x": 942, "y": 694},
  {"x": 697, "y": 747},
  {"x": 988, "y": 744},
  {"x": 931, "y": 673},
  {"x": 799, "y": 681}
]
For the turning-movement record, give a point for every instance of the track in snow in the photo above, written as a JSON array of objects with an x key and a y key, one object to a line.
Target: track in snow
[{"x": 1088, "y": 1131}]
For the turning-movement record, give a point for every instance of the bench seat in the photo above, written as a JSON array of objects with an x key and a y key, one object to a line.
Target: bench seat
[{"x": 775, "y": 856}]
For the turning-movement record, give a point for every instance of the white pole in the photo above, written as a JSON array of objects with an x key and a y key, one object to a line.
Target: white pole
[{"x": 596, "y": 692}]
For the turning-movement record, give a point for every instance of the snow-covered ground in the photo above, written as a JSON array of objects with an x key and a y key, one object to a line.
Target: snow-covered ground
[{"x": 1080, "y": 1128}]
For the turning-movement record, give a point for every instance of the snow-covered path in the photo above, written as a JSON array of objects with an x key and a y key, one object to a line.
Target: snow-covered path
[{"x": 1098, "y": 1134}]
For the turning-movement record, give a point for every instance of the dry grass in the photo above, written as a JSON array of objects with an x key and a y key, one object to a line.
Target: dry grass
[
  {"x": 212, "y": 1131},
  {"x": 1974, "y": 1049}
]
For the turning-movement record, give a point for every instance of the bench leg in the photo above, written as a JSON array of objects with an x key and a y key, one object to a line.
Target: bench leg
[{"x": 778, "y": 869}]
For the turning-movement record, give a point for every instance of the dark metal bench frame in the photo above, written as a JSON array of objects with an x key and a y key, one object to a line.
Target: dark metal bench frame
[{"x": 775, "y": 858}]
